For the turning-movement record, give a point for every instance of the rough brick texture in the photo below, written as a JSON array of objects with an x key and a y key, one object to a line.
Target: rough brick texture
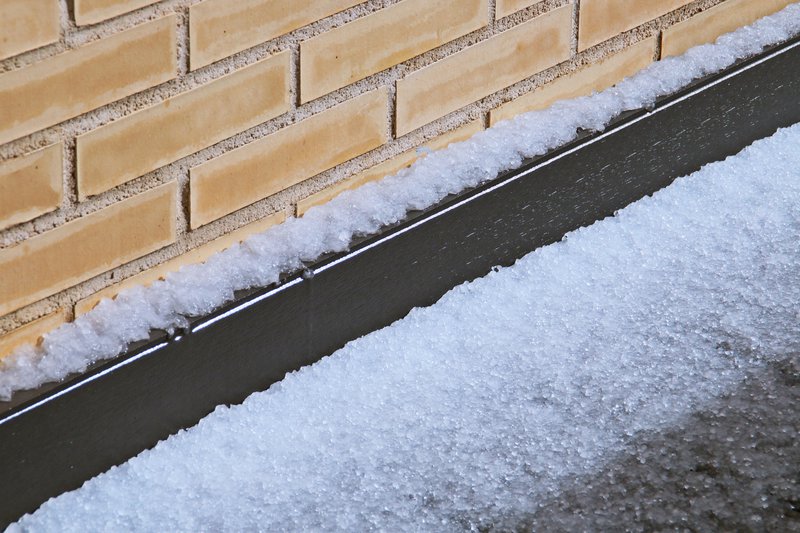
[{"x": 137, "y": 136}]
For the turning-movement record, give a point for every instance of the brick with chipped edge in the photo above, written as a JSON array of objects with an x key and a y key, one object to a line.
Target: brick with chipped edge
[
  {"x": 383, "y": 39},
  {"x": 483, "y": 68},
  {"x": 219, "y": 28},
  {"x": 595, "y": 77},
  {"x": 80, "y": 80},
  {"x": 389, "y": 167},
  {"x": 26, "y": 25},
  {"x": 31, "y": 185},
  {"x": 32, "y": 332},
  {"x": 287, "y": 157},
  {"x": 94, "y": 11},
  {"x": 600, "y": 20},
  {"x": 196, "y": 255},
  {"x": 184, "y": 124},
  {"x": 85, "y": 247},
  {"x": 705, "y": 27}
]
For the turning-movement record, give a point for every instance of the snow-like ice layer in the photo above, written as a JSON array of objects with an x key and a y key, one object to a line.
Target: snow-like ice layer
[
  {"x": 199, "y": 289},
  {"x": 469, "y": 412}
]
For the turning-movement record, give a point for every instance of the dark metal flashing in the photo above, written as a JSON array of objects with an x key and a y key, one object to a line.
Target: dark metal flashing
[{"x": 55, "y": 438}]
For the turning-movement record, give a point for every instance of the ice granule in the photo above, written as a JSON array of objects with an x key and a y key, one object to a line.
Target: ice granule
[
  {"x": 198, "y": 289},
  {"x": 472, "y": 412}
]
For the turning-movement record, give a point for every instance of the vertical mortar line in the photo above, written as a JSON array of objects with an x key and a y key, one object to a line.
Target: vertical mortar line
[
  {"x": 294, "y": 77},
  {"x": 293, "y": 86},
  {"x": 184, "y": 204},
  {"x": 69, "y": 156},
  {"x": 65, "y": 12},
  {"x": 391, "y": 111},
  {"x": 576, "y": 13},
  {"x": 70, "y": 172},
  {"x": 492, "y": 14},
  {"x": 183, "y": 41},
  {"x": 657, "y": 52},
  {"x": 68, "y": 24}
]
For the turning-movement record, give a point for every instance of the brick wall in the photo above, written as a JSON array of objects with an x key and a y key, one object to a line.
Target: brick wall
[{"x": 137, "y": 136}]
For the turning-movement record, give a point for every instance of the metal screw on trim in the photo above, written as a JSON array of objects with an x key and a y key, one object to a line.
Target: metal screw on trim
[{"x": 179, "y": 332}]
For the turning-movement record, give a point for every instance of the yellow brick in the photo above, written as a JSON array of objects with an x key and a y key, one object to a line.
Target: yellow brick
[
  {"x": 153, "y": 137},
  {"x": 603, "y": 19},
  {"x": 219, "y": 28},
  {"x": 287, "y": 157},
  {"x": 50, "y": 262},
  {"x": 483, "y": 68},
  {"x": 64, "y": 86},
  {"x": 505, "y": 8},
  {"x": 27, "y": 24},
  {"x": 387, "y": 168},
  {"x": 30, "y": 185},
  {"x": 198, "y": 255},
  {"x": 708, "y": 25},
  {"x": 385, "y": 38},
  {"x": 596, "y": 77},
  {"x": 32, "y": 332},
  {"x": 92, "y": 11}
]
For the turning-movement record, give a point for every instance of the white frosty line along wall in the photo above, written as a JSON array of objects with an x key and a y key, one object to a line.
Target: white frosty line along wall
[
  {"x": 137, "y": 136},
  {"x": 198, "y": 289}
]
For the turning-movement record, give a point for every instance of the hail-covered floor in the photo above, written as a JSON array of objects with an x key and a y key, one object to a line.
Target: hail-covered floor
[{"x": 642, "y": 373}]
